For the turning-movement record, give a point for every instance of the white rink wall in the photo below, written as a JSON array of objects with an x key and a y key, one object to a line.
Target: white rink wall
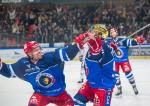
[{"x": 11, "y": 55}]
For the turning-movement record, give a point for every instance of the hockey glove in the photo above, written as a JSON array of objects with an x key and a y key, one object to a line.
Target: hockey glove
[
  {"x": 81, "y": 39},
  {"x": 115, "y": 47},
  {"x": 139, "y": 39}
]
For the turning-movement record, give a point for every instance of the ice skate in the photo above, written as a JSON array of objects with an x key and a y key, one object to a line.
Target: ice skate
[
  {"x": 119, "y": 92},
  {"x": 135, "y": 90},
  {"x": 81, "y": 81}
]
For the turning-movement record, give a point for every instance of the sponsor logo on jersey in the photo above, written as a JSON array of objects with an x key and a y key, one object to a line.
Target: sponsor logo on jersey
[
  {"x": 45, "y": 80},
  {"x": 29, "y": 70}
]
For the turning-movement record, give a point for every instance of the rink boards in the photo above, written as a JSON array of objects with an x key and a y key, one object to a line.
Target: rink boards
[{"x": 11, "y": 55}]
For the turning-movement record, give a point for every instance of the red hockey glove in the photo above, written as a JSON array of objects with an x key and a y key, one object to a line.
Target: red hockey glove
[
  {"x": 139, "y": 39},
  {"x": 115, "y": 47},
  {"x": 81, "y": 39}
]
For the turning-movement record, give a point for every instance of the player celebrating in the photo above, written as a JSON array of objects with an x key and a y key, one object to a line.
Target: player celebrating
[
  {"x": 100, "y": 75},
  {"x": 121, "y": 58},
  {"x": 44, "y": 72}
]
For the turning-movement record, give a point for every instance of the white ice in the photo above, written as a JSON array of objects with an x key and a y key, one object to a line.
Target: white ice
[{"x": 15, "y": 92}]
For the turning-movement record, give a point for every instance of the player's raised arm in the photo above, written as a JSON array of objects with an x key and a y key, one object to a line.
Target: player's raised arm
[
  {"x": 67, "y": 53},
  {"x": 70, "y": 51},
  {"x": 90, "y": 37}
]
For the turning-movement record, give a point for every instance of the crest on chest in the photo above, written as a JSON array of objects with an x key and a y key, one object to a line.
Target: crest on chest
[{"x": 45, "y": 80}]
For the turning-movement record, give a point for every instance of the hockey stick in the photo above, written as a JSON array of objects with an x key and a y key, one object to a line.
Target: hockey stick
[
  {"x": 132, "y": 35},
  {"x": 135, "y": 32},
  {"x": 90, "y": 30}
]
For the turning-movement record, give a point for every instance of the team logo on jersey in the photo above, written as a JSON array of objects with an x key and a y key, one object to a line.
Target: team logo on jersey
[
  {"x": 119, "y": 53},
  {"x": 45, "y": 80}
]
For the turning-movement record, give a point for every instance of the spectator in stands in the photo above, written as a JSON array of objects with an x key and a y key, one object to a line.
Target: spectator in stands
[{"x": 133, "y": 14}]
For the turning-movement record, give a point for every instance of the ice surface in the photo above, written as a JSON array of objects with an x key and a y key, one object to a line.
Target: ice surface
[{"x": 15, "y": 92}]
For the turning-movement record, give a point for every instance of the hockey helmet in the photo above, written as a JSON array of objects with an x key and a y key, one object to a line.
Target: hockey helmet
[
  {"x": 101, "y": 28},
  {"x": 29, "y": 46}
]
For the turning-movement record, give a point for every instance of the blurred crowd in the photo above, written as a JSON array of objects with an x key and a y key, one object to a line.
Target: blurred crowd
[{"x": 60, "y": 23}]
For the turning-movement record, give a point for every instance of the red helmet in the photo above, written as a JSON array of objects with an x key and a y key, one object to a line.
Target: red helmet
[{"x": 28, "y": 46}]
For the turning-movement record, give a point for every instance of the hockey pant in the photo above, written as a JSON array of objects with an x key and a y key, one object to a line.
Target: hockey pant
[{"x": 99, "y": 97}]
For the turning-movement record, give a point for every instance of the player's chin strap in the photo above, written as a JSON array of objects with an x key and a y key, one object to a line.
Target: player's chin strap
[{"x": 135, "y": 32}]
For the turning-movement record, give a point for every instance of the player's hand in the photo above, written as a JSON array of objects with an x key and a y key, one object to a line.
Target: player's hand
[
  {"x": 82, "y": 39},
  {"x": 114, "y": 46},
  {"x": 140, "y": 39}
]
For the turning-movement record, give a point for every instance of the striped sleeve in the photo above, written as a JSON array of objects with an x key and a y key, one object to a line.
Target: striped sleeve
[{"x": 68, "y": 53}]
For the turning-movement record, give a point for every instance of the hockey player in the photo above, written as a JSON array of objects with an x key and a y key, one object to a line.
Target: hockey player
[
  {"x": 82, "y": 68},
  {"x": 100, "y": 75},
  {"x": 82, "y": 55},
  {"x": 44, "y": 71},
  {"x": 121, "y": 58}
]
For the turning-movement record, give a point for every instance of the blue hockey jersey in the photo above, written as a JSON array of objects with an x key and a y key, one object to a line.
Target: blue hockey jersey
[
  {"x": 100, "y": 68},
  {"x": 123, "y": 47},
  {"x": 46, "y": 76}
]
